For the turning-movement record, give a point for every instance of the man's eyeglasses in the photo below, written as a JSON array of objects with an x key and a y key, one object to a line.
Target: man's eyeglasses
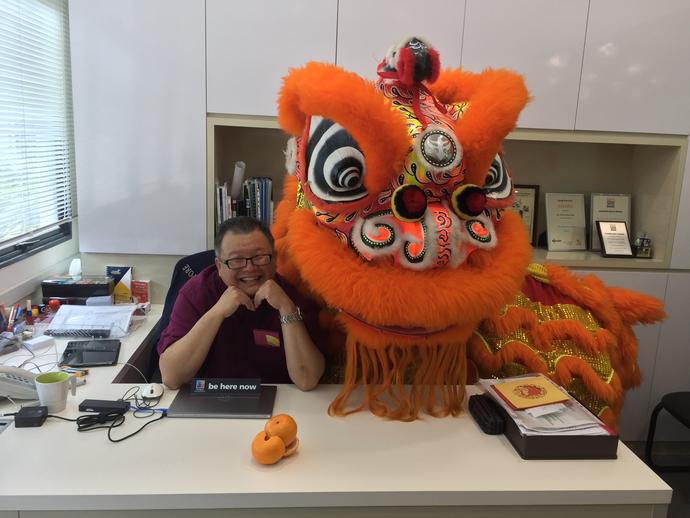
[{"x": 237, "y": 263}]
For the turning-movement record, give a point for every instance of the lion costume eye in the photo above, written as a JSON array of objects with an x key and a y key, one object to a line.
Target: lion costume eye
[
  {"x": 498, "y": 185},
  {"x": 336, "y": 167}
]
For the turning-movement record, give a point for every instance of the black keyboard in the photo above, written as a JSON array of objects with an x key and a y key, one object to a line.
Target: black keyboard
[{"x": 85, "y": 333}]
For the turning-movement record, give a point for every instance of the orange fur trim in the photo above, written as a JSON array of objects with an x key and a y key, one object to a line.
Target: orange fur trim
[
  {"x": 609, "y": 417},
  {"x": 394, "y": 296},
  {"x": 542, "y": 335},
  {"x": 496, "y": 98},
  {"x": 345, "y": 98},
  {"x": 568, "y": 367},
  {"x": 286, "y": 206},
  {"x": 634, "y": 307},
  {"x": 513, "y": 319},
  {"x": 616, "y": 309},
  {"x": 489, "y": 363},
  {"x": 588, "y": 292},
  {"x": 620, "y": 357},
  {"x": 376, "y": 339}
]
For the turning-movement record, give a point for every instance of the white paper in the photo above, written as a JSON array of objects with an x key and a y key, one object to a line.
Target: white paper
[
  {"x": 615, "y": 239},
  {"x": 114, "y": 318},
  {"x": 539, "y": 411},
  {"x": 607, "y": 207},
  {"x": 565, "y": 221}
]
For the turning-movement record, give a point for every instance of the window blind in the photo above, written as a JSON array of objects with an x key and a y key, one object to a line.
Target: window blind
[{"x": 36, "y": 128}]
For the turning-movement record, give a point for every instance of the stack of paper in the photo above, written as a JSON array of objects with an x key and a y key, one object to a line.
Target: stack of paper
[
  {"x": 540, "y": 407},
  {"x": 73, "y": 320}
]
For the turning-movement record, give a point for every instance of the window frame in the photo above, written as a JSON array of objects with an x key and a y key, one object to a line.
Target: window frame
[{"x": 31, "y": 245}]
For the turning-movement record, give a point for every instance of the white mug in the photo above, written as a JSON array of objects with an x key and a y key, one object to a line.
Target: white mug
[{"x": 52, "y": 389}]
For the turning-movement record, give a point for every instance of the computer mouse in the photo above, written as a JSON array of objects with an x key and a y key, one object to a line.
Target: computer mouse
[{"x": 152, "y": 391}]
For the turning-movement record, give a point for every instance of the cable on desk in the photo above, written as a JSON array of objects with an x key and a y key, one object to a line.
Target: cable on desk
[
  {"x": 63, "y": 418},
  {"x": 136, "y": 369},
  {"x": 163, "y": 414},
  {"x": 141, "y": 404},
  {"x": 11, "y": 401},
  {"x": 86, "y": 423}
]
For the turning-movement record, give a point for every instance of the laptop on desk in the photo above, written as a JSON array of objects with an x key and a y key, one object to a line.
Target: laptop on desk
[{"x": 187, "y": 404}]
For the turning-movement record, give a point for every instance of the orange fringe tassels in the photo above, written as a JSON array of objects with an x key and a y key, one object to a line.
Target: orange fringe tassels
[{"x": 399, "y": 382}]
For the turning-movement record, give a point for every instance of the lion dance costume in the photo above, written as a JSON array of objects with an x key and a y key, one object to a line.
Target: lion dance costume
[{"x": 393, "y": 216}]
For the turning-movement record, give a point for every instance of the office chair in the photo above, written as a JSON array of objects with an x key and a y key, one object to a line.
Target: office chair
[
  {"x": 678, "y": 405},
  {"x": 185, "y": 269}
]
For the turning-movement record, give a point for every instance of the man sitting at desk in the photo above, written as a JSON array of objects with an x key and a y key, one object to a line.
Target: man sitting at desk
[{"x": 238, "y": 319}]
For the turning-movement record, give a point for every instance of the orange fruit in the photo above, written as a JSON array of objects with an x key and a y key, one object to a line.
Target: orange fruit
[
  {"x": 283, "y": 426},
  {"x": 267, "y": 450}
]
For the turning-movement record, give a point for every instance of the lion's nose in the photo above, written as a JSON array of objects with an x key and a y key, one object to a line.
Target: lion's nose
[
  {"x": 408, "y": 203},
  {"x": 432, "y": 235}
]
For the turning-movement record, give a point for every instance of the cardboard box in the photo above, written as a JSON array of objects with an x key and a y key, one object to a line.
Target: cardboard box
[
  {"x": 560, "y": 446},
  {"x": 122, "y": 277},
  {"x": 141, "y": 291}
]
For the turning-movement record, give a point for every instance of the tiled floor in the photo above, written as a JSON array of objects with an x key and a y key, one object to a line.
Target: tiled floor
[{"x": 674, "y": 453}]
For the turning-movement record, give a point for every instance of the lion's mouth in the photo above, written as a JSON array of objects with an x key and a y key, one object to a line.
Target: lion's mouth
[
  {"x": 397, "y": 330},
  {"x": 439, "y": 240}
]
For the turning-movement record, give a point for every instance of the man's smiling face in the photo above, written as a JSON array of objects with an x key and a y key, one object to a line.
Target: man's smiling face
[{"x": 251, "y": 276}]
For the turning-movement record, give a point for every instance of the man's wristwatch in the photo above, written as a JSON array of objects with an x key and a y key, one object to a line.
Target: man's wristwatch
[{"x": 292, "y": 317}]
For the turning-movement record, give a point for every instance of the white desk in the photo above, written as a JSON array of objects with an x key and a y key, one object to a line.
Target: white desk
[{"x": 360, "y": 465}]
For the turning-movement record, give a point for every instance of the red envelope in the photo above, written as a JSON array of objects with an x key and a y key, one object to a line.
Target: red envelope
[{"x": 266, "y": 338}]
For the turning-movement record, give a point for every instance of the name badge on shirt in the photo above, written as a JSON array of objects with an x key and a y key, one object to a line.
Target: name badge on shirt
[{"x": 266, "y": 338}]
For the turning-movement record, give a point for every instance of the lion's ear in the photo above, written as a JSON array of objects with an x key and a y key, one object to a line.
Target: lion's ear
[
  {"x": 320, "y": 91},
  {"x": 494, "y": 100}
]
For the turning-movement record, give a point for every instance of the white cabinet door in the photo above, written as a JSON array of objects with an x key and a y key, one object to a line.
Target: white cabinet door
[
  {"x": 366, "y": 30},
  {"x": 636, "y": 409},
  {"x": 251, "y": 46},
  {"x": 672, "y": 369},
  {"x": 636, "y": 70},
  {"x": 140, "y": 125},
  {"x": 541, "y": 39}
]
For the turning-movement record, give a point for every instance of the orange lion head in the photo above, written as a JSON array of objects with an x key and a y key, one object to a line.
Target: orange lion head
[{"x": 394, "y": 216}]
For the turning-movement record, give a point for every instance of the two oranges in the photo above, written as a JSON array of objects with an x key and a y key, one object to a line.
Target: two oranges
[{"x": 277, "y": 440}]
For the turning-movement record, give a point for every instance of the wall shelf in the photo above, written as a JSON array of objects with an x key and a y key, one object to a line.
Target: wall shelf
[{"x": 648, "y": 167}]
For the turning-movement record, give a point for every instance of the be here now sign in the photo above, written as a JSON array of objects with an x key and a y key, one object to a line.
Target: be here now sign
[{"x": 226, "y": 386}]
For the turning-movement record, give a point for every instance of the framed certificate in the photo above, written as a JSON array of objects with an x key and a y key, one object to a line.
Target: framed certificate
[
  {"x": 607, "y": 207},
  {"x": 565, "y": 221},
  {"x": 614, "y": 238},
  {"x": 525, "y": 203}
]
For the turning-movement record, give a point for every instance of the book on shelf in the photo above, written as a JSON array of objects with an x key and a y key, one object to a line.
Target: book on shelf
[
  {"x": 258, "y": 194},
  {"x": 256, "y": 200},
  {"x": 225, "y": 204}
]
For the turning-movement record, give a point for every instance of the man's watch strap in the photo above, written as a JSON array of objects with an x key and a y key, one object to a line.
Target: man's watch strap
[{"x": 292, "y": 317}]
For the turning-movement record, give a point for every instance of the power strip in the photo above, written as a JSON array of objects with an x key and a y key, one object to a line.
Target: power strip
[{"x": 40, "y": 342}]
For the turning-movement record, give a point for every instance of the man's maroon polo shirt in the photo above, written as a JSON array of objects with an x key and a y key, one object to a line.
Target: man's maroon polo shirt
[{"x": 249, "y": 344}]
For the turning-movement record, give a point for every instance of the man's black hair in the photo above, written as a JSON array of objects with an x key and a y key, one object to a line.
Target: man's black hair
[{"x": 241, "y": 225}]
